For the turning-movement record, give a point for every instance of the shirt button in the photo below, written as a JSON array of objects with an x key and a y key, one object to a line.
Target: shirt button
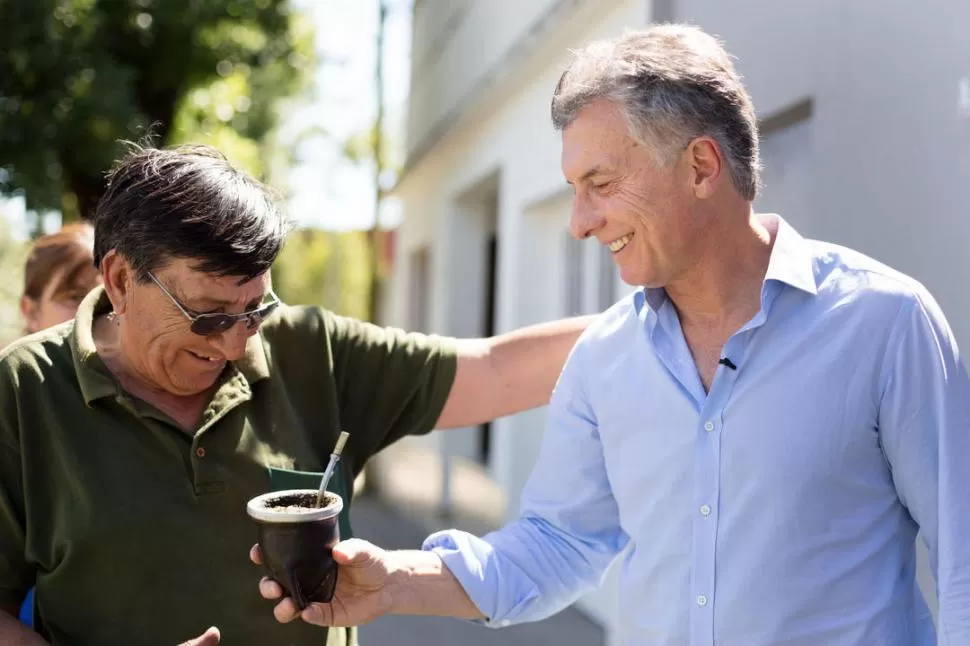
[
  {"x": 705, "y": 510},
  {"x": 200, "y": 452},
  {"x": 708, "y": 426},
  {"x": 701, "y": 600}
]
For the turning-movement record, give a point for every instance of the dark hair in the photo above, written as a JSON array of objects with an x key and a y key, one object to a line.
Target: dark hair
[
  {"x": 188, "y": 202},
  {"x": 63, "y": 259}
]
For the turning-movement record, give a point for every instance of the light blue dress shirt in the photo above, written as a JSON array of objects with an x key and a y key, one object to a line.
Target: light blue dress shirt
[{"x": 779, "y": 508}]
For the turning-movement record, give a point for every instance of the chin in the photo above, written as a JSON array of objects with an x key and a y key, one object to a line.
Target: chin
[
  {"x": 640, "y": 279},
  {"x": 190, "y": 387}
]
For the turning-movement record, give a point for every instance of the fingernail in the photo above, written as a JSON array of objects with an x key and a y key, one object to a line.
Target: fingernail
[{"x": 313, "y": 615}]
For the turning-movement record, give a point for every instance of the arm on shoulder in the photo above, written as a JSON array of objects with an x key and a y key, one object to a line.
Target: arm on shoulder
[{"x": 509, "y": 373}]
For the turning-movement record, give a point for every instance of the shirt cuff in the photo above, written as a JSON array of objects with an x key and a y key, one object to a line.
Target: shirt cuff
[{"x": 473, "y": 562}]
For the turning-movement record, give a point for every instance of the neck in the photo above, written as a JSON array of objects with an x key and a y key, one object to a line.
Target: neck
[
  {"x": 725, "y": 282},
  {"x": 109, "y": 342}
]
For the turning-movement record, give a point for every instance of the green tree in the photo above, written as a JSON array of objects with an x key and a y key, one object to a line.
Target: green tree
[
  {"x": 79, "y": 76},
  {"x": 326, "y": 268},
  {"x": 12, "y": 257}
]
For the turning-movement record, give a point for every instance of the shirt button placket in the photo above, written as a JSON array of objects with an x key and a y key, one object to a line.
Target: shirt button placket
[
  {"x": 706, "y": 487},
  {"x": 198, "y": 468}
]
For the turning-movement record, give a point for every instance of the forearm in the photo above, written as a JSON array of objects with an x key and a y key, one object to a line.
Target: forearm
[
  {"x": 14, "y": 633},
  {"x": 421, "y": 584},
  {"x": 509, "y": 373},
  {"x": 528, "y": 361}
]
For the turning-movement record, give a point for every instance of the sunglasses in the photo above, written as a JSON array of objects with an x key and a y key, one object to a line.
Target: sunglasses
[{"x": 217, "y": 322}]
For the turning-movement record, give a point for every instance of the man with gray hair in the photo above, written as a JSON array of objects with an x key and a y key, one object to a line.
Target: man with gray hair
[{"x": 763, "y": 428}]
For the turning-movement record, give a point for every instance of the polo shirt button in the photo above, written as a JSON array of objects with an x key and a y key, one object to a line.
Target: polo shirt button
[
  {"x": 708, "y": 426},
  {"x": 701, "y": 600},
  {"x": 200, "y": 452}
]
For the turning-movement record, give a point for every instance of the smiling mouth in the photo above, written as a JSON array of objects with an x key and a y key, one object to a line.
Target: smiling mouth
[
  {"x": 203, "y": 357},
  {"x": 618, "y": 244}
]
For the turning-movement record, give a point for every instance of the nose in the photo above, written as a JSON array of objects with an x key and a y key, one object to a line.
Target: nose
[
  {"x": 583, "y": 220},
  {"x": 231, "y": 344}
]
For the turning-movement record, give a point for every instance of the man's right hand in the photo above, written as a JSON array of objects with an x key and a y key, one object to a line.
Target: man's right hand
[
  {"x": 210, "y": 637},
  {"x": 361, "y": 596}
]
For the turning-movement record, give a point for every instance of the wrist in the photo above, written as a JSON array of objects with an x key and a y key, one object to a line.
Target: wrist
[
  {"x": 405, "y": 569},
  {"x": 419, "y": 583}
]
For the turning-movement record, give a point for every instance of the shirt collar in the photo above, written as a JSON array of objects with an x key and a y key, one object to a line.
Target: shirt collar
[
  {"x": 94, "y": 378},
  {"x": 253, "y": 364},
  {"x": 790, "y": 263}
]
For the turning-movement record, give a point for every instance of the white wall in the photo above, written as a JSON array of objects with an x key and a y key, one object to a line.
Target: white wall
[
  {"x": 457, "y": 42},
  {"x": 518, "y": 144}
]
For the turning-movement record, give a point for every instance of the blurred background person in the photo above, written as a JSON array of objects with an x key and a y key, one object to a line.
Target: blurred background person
[{"x": 58, "y": 273}]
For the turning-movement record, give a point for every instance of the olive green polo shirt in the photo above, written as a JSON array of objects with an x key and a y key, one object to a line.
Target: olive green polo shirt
[{"x": 136, "y": 532}]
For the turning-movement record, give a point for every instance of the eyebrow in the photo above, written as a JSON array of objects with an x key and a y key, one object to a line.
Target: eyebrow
[{"x": 595, "y": 170}]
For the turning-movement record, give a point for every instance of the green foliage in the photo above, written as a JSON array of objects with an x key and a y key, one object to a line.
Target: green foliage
[
  {"x": 325, "y": 268},
  {"x": 12, "y": 257},
  {"x": 78, "y": 76}
]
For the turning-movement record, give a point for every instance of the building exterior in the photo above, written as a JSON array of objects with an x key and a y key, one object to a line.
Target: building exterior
[{"x": 865, "y": 119}]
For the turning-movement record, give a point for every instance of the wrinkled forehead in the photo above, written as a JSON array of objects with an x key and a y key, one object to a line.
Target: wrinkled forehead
[{"x": 590, "y": 151}]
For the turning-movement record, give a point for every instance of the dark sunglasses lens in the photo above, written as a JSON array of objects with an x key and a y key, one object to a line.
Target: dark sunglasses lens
[{"x": 208, "y": 325}]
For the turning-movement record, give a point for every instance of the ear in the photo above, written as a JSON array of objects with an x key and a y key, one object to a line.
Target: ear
[
  {"x": 28, "y": 311},
  {"x": 706, "y": 163},
  {"x": 117, "y": 276}
]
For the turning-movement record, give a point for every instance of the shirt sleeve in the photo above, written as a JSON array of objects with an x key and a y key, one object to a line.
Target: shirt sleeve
[
  {"x": 924, "y": 426},
  {"x": 16, "y": 576},
  {"x": 567, "y": 534},
  {"x": 390, "y": 383}
]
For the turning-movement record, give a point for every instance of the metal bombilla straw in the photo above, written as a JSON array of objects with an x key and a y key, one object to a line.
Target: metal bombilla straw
[{"x": 334, "y": 458}]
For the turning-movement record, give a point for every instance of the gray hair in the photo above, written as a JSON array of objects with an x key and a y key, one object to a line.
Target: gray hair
[{"x": 674, "y": 83}]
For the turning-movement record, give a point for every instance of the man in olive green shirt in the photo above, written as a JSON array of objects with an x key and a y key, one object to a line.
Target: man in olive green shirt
[{"x": 132, "y": 437}]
